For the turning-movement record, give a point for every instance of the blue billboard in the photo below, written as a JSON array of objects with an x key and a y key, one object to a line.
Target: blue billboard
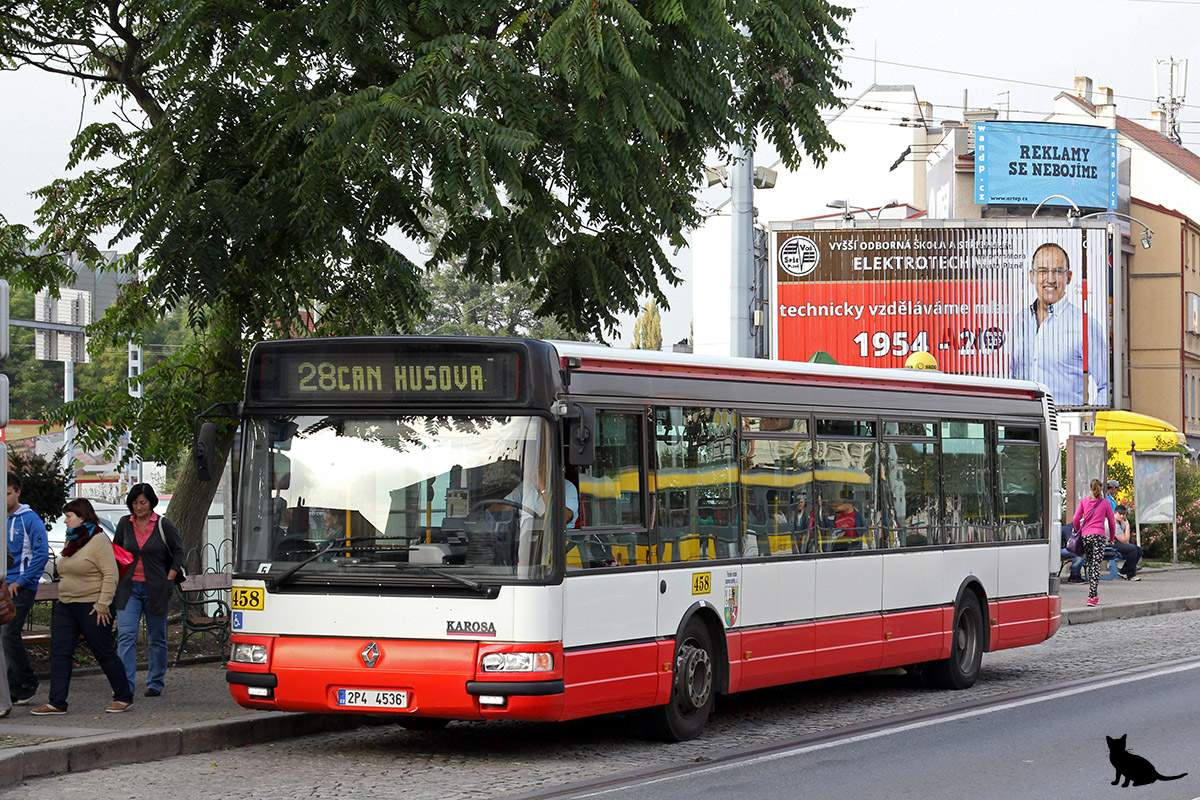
[{"x": 1023, "y": 163}]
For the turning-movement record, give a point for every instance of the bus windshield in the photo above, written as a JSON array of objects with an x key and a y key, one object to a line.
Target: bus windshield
[{"x": 382, "y": 499}]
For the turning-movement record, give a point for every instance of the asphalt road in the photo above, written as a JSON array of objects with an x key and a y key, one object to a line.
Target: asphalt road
[
  {"x": 996, "y": 750},
  {"x": 475, "y": 760}
]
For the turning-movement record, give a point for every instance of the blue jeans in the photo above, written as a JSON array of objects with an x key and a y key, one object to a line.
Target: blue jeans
[
  {"x": 1132, "y": 555},
  {"x": 156, "y": 636},
  {"x": 22, "y": 682},
  {"x": 1076, "y": 563}
]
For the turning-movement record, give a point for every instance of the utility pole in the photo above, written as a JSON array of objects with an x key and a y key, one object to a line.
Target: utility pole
[{"x": 741, "y": 184}]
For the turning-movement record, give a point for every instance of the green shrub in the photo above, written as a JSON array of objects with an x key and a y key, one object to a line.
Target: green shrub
[{"x": 43, "y": 484}]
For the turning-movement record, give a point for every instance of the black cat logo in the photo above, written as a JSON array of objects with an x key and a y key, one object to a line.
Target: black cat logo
[{"x": 1136, "y": 769}]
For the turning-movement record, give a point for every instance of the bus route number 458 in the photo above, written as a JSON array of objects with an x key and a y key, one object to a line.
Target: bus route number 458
[{"x": 247, "y": 598}]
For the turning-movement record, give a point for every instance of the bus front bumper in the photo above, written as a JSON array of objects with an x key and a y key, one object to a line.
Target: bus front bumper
[{"x": 441, "y": 679}]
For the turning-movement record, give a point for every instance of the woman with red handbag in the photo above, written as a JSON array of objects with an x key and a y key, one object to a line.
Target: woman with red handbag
[
  {"x": 145, "y": 590},
  {"x": 89, "y": 578}
]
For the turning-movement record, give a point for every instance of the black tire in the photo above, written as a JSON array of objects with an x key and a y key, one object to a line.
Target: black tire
[
  {"x": 693, "y": 688},
  {"x": 961, "y": 669},
  {"x": 423, "y": 723}
]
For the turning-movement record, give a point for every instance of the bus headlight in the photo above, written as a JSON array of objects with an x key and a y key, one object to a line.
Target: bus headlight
[
  {"x": 518, "y": 662},
  {"x": 249, "y": 653}
]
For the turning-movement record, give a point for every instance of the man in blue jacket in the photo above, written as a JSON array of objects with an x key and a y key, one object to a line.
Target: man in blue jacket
[{"x": 28, "y": 551}]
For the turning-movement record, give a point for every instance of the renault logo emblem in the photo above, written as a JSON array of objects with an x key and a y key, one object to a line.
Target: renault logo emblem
[{"x": 369, "y": 655}]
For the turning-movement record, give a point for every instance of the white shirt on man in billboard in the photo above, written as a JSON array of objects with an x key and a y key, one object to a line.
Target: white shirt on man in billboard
[{"x": 1048, "y": 337}]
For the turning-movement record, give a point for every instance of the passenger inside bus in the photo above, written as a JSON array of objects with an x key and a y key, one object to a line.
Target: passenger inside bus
[{"x": 843, "y": 526}]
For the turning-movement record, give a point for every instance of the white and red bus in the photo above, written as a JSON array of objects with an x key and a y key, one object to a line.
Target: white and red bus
[{"x": 449, "y": 528}]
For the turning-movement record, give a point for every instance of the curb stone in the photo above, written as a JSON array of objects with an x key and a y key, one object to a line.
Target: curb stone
[{"x": 137, "y": 747}]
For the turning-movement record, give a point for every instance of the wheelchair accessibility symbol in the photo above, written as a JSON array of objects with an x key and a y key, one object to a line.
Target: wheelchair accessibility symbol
[{"x": 237, "y": 620}]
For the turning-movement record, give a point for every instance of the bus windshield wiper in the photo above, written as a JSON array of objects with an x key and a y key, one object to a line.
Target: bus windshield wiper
[
  {"x": 489, "y": 590},
  {"x": 276, "y": 581}
]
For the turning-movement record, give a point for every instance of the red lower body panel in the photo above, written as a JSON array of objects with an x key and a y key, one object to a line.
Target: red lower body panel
[
  {"x": 607, "y": 679},
  {"x": 1016, "y": 623},
  {"x": 443, "y": 678}
]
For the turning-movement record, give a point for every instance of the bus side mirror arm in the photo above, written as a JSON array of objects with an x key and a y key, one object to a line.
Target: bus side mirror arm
[
  {"x": 581, "y": 440},
  {"x": 204, "y": 449}
]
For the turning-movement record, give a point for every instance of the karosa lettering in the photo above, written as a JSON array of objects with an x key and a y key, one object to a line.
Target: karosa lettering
[{"x": 460, "y": 627}]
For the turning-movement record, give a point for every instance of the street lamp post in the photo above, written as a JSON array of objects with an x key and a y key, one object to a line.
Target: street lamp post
[
  {"x": 847, "y": 208},
  {"x": 1147, "y": 232},
  {"x": 1075, "y": 208}
]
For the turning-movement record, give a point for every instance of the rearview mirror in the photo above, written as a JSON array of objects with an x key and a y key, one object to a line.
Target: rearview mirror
[
  {"x": 581, "y": 439},
  {"x": 203, "y": 450}
]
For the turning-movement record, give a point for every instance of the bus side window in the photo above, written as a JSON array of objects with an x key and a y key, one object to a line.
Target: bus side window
[
  {"x": 845, "y": 469},
  {"x": 695, "y": 473},
  {"x": 909, "y": 493},
  {"x": 967, "y": 482},
  {"x": 610, "y": 530}
]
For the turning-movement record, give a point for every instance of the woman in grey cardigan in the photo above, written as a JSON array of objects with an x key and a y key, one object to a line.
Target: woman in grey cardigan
[{"x": 145, "y": 590}]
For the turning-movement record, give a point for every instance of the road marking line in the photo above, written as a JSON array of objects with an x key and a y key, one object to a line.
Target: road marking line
[{"x": 911, "y": 726}]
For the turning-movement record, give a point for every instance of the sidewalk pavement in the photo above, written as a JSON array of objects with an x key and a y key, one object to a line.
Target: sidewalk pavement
[
  {"x": 1161, "y": 591},
  {"x": 195, "y": 713}
]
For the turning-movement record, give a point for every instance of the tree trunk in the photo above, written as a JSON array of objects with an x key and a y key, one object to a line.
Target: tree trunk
[{"x": 192, "y": 498}]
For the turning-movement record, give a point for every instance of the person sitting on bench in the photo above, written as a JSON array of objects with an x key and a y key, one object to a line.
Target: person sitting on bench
[{"x": 1127, "y": 549}]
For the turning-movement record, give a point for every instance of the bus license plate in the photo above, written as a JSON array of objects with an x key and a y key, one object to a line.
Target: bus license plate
[{"x": 372, "y": 698}]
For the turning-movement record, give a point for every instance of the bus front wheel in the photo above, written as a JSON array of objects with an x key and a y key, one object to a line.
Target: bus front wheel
[
  {"x": 692, "y": 688},
  {"x": 960, "y": 670}
]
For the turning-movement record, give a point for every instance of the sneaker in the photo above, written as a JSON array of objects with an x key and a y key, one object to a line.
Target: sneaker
[
  {"x": 1134, "y": 578},
  {"x": 46, "y": 710},
  {"x": 1075, "y": 579},
  {"x": 153, "y": 692},
  {"x": 5, "y": 712},
  {"x": 24, "y": 700},
  {"x": 1122, "y": 576},
  {"x": 1093, "y": 601},
  {"x": 117, "y": 706}
]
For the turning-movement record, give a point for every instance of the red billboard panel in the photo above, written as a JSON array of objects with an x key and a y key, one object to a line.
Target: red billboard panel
[{"x": 1028, "y": 303}]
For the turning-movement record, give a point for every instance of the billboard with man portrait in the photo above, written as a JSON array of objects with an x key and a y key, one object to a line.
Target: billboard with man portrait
[{"x": 1011, "y": 302}]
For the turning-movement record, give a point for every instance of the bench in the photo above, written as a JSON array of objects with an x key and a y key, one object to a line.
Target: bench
[
  {"x": 1110, "y": 555},
  {"x": 200, "y": 611},
  {"x": 196, "y": 604}
]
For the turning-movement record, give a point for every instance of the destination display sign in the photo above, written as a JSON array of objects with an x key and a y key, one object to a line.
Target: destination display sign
[{"x": 379, "y": 374}]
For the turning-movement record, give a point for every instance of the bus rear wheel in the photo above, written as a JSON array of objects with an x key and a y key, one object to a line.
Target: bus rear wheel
[
  {"x": 960, "y": 670},
  {"x": 692, "y": 688}
]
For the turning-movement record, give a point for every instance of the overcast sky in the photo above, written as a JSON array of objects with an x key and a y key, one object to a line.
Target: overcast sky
[{"x": 1013, "y": 56}]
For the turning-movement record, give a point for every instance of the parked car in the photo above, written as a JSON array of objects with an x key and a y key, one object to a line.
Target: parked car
[{"x": 109, "y": 515}]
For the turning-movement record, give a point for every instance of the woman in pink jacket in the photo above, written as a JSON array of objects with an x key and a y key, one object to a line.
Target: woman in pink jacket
[{"x": 1089, "y": 521}]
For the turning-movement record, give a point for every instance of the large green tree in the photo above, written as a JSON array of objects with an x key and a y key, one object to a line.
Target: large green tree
[{"x": 271, "y": 154}]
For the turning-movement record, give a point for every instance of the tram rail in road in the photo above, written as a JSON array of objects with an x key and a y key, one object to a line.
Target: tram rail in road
[{"x": 862, "y": 732}]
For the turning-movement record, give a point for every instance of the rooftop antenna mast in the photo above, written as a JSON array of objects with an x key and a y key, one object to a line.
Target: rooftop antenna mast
[{"x": 1172, "y": 101}]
